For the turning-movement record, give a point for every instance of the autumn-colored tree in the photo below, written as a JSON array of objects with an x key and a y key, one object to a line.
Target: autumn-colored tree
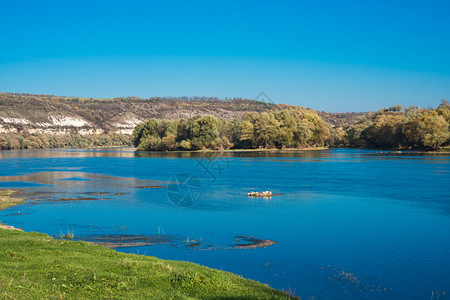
[{"x": 433, "y": 131}]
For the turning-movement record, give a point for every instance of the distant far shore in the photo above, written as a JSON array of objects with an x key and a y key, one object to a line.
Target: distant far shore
[{"x": 443, "y": 149}]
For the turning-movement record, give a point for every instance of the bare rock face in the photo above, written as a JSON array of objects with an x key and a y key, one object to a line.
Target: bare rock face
[
  {"x": 56, "y": 123},
  {"x": 126, "y": 122}
]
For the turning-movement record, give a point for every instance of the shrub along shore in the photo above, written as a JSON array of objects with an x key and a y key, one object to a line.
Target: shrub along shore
[
  {"x": 34, "y": 265},
  {"x": 25, "y": 140}
]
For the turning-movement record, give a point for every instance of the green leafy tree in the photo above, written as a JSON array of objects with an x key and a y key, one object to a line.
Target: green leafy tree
[
  {"x": 168, "y": 142},
  {"x": 203, "y": 131},
  {"x": 247, "y": 134},
  {"x": 303, "y": 133},
  {"x": 143, "y": 130},
  {"x": 150, "y": 143},
  {"x": 266, "y": 130}
]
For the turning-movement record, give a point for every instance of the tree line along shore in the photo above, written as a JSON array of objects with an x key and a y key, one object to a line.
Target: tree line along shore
[
  {"x": 295, "y": 127},
  {"x": 281, "y": 127}
]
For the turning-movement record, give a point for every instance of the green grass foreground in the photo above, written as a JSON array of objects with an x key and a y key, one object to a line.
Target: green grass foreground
[{"x": 35, "y": 266}]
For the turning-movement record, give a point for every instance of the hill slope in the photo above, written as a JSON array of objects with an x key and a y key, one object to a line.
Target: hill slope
[{"x": 54, "y": 114}]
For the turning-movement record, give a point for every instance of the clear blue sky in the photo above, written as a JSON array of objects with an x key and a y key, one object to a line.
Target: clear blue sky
[{"x": 327, "y": 55}]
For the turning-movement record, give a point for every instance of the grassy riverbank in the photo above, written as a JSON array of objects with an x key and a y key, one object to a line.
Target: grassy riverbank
[
  {"x": 35, "y": 266},
  {"x": 7, "y": 199}
]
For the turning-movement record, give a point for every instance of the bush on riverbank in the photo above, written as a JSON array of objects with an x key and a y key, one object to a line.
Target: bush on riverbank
[{"x": 25, "y": 140}]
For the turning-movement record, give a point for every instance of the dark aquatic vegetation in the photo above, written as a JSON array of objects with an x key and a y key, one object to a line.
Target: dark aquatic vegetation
[
  {"x": 350, "y": 224},
  {"x": 129, "y": 240},
  {"x": 65, "y": 236},
  {"x": 250, "y": 242},
  {"x": 118, "y": 241},
  {"x": 76, "y": 199},
  {"x": 349, "y": 281}
]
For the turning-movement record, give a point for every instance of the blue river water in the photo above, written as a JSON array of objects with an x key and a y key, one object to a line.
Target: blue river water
[{"x": 347, "y": 223}]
